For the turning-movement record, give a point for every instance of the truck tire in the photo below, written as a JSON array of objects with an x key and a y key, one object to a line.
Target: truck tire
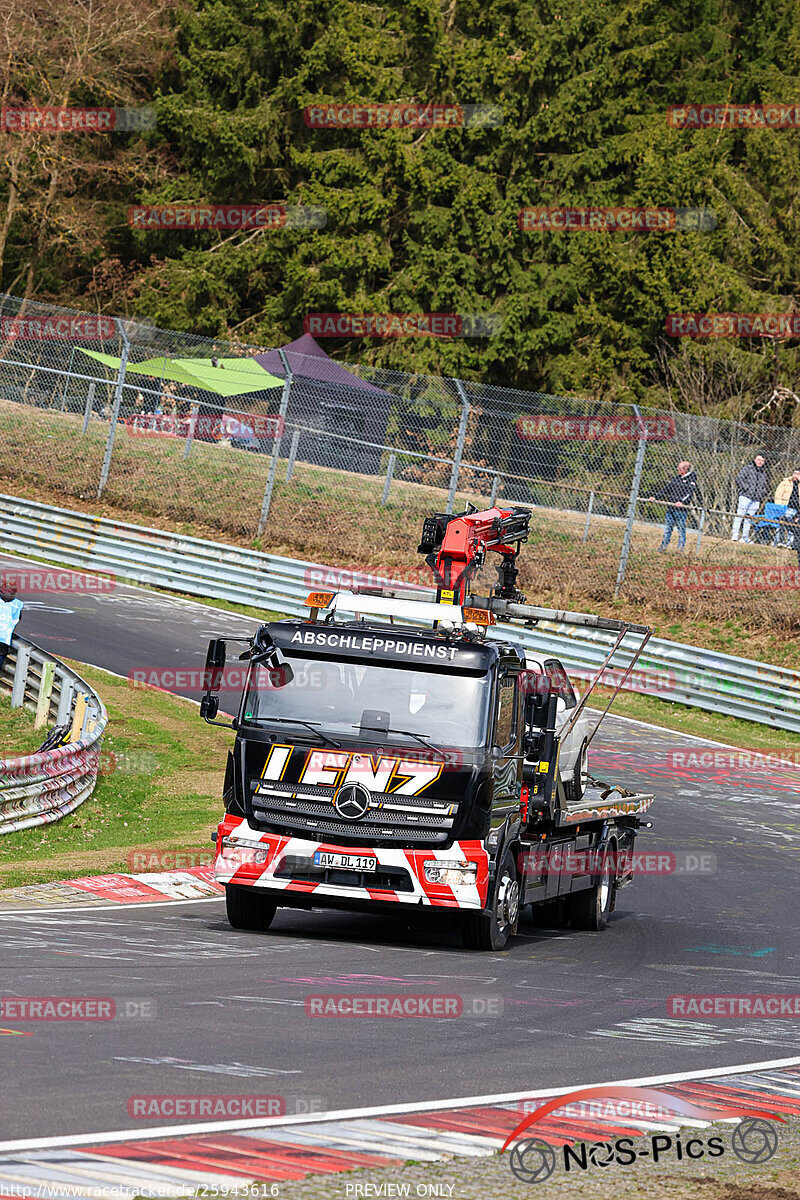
[
  {"x": 575, "y": 787},
  {"x": 591, "y": 909},
  {"x": 492, "y": 931},
  {"x": 248, "y": 908}
]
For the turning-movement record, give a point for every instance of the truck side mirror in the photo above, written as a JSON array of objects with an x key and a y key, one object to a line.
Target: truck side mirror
[
  {"x": 215, "y": 665},
  {"x": 212, "y": 678},
  {"x": 264, "y": 652}
]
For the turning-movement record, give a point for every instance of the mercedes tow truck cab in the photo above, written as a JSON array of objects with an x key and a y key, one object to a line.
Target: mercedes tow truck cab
[{"x": 379, "y": 762}]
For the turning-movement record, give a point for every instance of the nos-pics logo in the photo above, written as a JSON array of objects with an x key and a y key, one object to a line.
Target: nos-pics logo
[{"x": 533, "y": 1160}]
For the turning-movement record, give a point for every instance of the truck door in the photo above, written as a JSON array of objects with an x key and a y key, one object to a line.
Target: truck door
[{"x": 505, "y": 748}]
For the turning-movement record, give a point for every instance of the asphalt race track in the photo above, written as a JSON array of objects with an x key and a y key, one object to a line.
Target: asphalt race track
[{"x": 567, "y": 1008}]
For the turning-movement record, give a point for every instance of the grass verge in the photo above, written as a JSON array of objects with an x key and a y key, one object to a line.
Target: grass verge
[
  {"x": 161, "y": 790},
  {"x": 17, "y": 734}
]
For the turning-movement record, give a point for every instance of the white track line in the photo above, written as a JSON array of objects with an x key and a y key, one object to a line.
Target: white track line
[
  {"x": 64, "y": 909},
  {"x": 133, "y": 1135}
]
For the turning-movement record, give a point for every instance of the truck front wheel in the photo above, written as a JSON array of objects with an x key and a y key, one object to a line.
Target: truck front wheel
[
  {"x": 248, "y": 908},
  {"x": 591, "y": 909},
  {"x": 491, "y": 931}
]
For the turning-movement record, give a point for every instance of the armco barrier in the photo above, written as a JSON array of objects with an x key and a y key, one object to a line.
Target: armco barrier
[
  {"x": 674, "y": 671},
  {"x": 36, "y": 789}
]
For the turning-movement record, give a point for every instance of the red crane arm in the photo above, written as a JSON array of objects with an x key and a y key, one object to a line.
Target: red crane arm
[{"x": 457, "y": 546}]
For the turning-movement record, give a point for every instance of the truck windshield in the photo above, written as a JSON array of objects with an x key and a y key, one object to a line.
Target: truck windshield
[{"x": 449, "y": 708}]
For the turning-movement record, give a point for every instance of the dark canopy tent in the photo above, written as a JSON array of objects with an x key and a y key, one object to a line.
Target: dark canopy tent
[{"x": 326, "y": 396}]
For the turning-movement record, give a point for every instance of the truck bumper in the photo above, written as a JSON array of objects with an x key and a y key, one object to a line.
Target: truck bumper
[{"x": 274, "y": 863}]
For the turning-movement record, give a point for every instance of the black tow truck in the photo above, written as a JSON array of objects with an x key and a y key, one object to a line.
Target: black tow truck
[{"x": 397, "y": 748}]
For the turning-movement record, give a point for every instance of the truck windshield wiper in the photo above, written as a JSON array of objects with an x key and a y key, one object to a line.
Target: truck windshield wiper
[
  {"x": 312, "y": 725},
  {"x": 407, "y": 733}
]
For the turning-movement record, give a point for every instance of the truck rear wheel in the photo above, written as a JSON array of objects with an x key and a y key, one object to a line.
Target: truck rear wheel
[
  {"x": 591, "y": 909},
  {"x": 248, "y": 908},
  {"x": 491, "y": 931}
]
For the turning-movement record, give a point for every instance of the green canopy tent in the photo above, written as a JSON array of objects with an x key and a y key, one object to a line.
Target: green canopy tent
[{"x": 229, "y": 377}]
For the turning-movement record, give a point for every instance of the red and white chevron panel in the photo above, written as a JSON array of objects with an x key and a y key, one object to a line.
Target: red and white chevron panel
[{"x": 258, "y": 857}]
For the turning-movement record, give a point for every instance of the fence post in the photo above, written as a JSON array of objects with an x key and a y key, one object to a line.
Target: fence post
[
  {"x": 187, "y": 449},
  {"x": 637, "y": 479},
  {"x": 45, "y": 692},
  {"x": 292, "y": 454},
  {"x": 495, "y": 486},
  {"x": 388, "y": 481},
  {"x": 700, "y": 526},
  {"x": 67, "y": 380},
  {"x": 589, "y": 508},
  {"x": 65, "y": 702},
  {"x": 112, "y": 428},
  {"x": 462, "y": 433},
  {"x": 87, "y": 408},
  {"x": 273, "y": 466}
]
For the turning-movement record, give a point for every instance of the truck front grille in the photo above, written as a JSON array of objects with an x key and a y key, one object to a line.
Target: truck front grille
[{"x": 391, "y": 818}]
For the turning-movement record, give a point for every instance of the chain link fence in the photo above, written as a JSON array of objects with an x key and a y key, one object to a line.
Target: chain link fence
[{"x": 287, "y": 450}]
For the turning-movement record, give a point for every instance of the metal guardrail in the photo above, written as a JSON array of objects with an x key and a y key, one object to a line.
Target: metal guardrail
[
  {"x": 673, "y": 671},
  {"x": 36, "y": 789}
]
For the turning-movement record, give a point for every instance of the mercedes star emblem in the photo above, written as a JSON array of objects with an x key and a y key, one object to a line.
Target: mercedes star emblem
[{"x": 352, "y": 801}]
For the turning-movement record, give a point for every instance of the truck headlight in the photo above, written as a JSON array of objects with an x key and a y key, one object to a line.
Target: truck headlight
[
  {"x": 239, "y": 851},
  {"x": 451, "y": 874}
]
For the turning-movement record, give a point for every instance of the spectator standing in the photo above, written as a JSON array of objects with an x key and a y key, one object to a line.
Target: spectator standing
[
  {"x": 753, "y": 486},
  {"x": 10, "y": 609},
  {"x": 680, "y": 491},
  {"x": 788, "y": 492}
]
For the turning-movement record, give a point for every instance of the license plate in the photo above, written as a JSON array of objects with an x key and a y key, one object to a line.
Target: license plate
[{"x": 345, "y": 862}]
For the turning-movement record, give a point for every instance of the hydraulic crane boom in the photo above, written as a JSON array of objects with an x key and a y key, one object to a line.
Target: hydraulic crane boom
[{"x": 455, "y": 548}]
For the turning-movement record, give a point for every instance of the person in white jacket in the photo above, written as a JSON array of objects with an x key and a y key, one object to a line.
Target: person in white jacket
[{"x": 10, "y": 609}]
